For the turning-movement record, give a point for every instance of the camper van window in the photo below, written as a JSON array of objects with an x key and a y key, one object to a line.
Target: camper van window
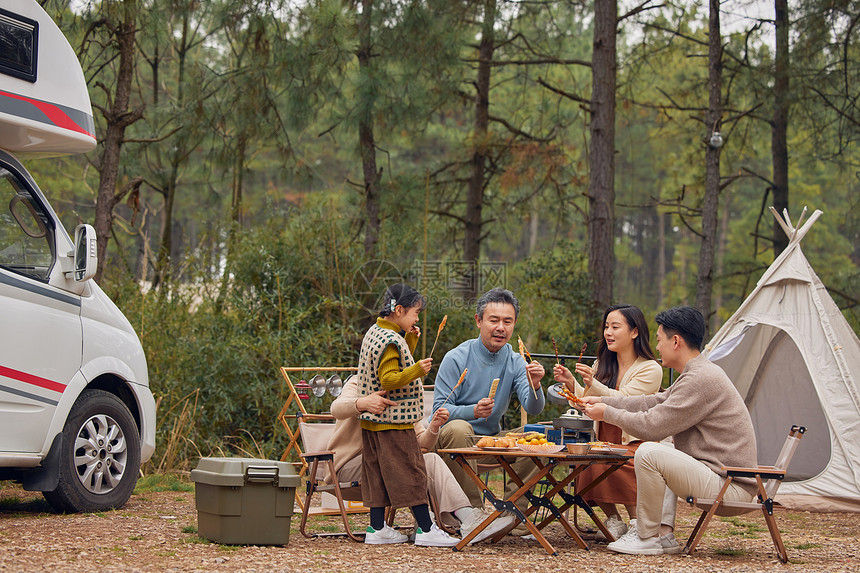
[
  {"x": 19, "y": 45},
  {"x": 25, "y": 240}
]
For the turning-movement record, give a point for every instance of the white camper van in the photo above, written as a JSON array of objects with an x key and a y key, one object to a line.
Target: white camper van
[{"x": 77, "y": 417}]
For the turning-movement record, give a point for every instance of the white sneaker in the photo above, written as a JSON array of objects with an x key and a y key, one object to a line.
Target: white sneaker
[
  {"x": 476, "y": 518},
  {"x": 616, "y": 527},
  {"x": 670, "y": 544},
  {"x": 635, "y": 545},
  {"x": 384, "y": 536},
  {"x": 434, "y": 538},
  {"x": 631, "y": 529}
]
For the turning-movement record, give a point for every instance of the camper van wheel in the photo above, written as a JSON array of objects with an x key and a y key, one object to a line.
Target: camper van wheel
[{"x": 100, "y": 458}]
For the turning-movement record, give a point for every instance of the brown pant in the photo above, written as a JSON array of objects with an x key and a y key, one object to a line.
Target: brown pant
[{"x": 392, "y": 469}]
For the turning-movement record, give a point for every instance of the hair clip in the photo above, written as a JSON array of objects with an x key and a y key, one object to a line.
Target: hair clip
[{"x": 393, "y": 304}]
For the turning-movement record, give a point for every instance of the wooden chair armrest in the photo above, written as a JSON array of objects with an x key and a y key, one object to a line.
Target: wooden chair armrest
[
  {"x": 764, "y": 472},
  {"x": 318, "y": 455},
  {"x": 317, "y": 417},
  {"x": 737, "y": 469},
  {"x": 755, "y": 469}
]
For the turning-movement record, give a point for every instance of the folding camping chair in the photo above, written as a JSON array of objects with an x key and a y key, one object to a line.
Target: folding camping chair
[
  {"x": 315, "y": 438},
  {"x": 766, "y": 491}
]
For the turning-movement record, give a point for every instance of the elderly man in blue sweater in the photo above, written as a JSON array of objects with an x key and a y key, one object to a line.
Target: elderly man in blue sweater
[{"x": 472, "y": 411}]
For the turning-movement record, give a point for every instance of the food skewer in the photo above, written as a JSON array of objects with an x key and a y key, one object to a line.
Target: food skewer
[
  {"x": 564, "y": 391},
  {"x": 493, "y": 388},
  {"x": 557, "y": 361},
  {"x": 438, "y": 332},
  {"x": 460, "y": 381},
  {"x": 578, "y": 360},
  {"x": 527, "y": 358}
]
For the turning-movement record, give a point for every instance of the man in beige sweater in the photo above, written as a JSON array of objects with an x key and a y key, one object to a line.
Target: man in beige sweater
[
  {"x": 708, "y": 419},
  {"x": 346, "y": 445}
]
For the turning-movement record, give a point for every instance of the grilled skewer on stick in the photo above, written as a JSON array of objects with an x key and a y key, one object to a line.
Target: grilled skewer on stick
[
  {"x": 493, "y": 388},
  {"x": 578, "y": 360},
  {"x": 460, "y": 381},
  {"x": 554, "y": 347},
  {"x": 527, "y": 358},
  {"x": 565, "y": 392},
  {"x": 438, "y": 332}
]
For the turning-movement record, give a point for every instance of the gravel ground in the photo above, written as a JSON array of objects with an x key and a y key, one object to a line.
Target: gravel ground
[{"x": 156, "y": 531}]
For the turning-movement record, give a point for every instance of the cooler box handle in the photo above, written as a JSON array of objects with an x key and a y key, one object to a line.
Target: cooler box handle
[{"x": 261, "y": 474}]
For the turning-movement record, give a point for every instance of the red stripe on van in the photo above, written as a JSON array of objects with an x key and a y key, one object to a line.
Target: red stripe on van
[
  {"x": 57, "y": 116},
  {"x": 31, "y": 379}
]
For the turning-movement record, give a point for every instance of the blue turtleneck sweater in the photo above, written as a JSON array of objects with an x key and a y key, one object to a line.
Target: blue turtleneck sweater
[{"x": 484, "y": 366}]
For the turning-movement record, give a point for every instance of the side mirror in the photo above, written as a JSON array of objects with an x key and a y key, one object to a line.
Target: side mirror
[{"x": 86, "y": 253}]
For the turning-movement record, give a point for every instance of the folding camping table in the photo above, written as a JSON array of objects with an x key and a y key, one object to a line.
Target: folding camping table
[{"x": 545, "y": 463}]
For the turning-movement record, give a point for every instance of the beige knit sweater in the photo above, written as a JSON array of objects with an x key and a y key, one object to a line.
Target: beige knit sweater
[{"x": 702, "y": 410}]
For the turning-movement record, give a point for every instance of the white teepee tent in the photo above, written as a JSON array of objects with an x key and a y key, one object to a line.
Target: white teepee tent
[{"x": 795, "y": 360}]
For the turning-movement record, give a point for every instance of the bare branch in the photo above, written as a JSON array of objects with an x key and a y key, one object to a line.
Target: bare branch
[
  {"x": 538, "y": 61},
  {"x": 521, "y": 133},
  {"x": 131, "y": 186},
  {"x": 152, "y": 139},
  {"x": 643, "y": 7},
  {"x": 677, "y": 33},
  {"x": 757, "y": 176},
  {"x": 563, "y": 93},
  {"x": 854, "y": 301},
  {"x": 829, "y": 103}
]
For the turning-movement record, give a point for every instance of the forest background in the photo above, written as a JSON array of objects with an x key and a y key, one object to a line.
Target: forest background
[{"x": 266, "y": 167}]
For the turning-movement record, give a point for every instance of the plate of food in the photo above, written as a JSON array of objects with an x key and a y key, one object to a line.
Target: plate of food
[
  {"x": 491, "y": 443},
  {"x": 604, "y": 448},
  {"x": 599, "y": 446},
  {"x": 547, "y": 448}
]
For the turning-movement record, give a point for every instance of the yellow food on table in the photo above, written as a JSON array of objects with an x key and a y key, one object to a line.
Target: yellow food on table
[
  {"x": 486, "y": 442},
  {"x": 505, "y": 442},
  {"x": 526, "y": 435}
]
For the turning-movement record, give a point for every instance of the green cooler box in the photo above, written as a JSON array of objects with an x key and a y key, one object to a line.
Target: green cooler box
[{"x": 244, "y": 501}]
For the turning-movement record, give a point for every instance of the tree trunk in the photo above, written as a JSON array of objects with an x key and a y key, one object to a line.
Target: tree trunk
[
  {"x": 118, "y": 118},
  {"x": 779, "y": 127},
  {"x": 601, "y": 187},
  {"x": 722, "y": 247},
  {"x": 366, "y": 143},
  {"x": 238, "y": 182},
  {"x": 710, "y": 206},
  {"x": 235, "y": 216},
  {"x": 165, "y": 247},
  {"x": 162, "y": 261},
  {"x": 534, "y": 228},
  {"x": 477, "y": 178}
]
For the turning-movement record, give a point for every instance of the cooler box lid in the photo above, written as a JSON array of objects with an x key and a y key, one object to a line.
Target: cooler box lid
[{"x": 235, "y": 472}]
